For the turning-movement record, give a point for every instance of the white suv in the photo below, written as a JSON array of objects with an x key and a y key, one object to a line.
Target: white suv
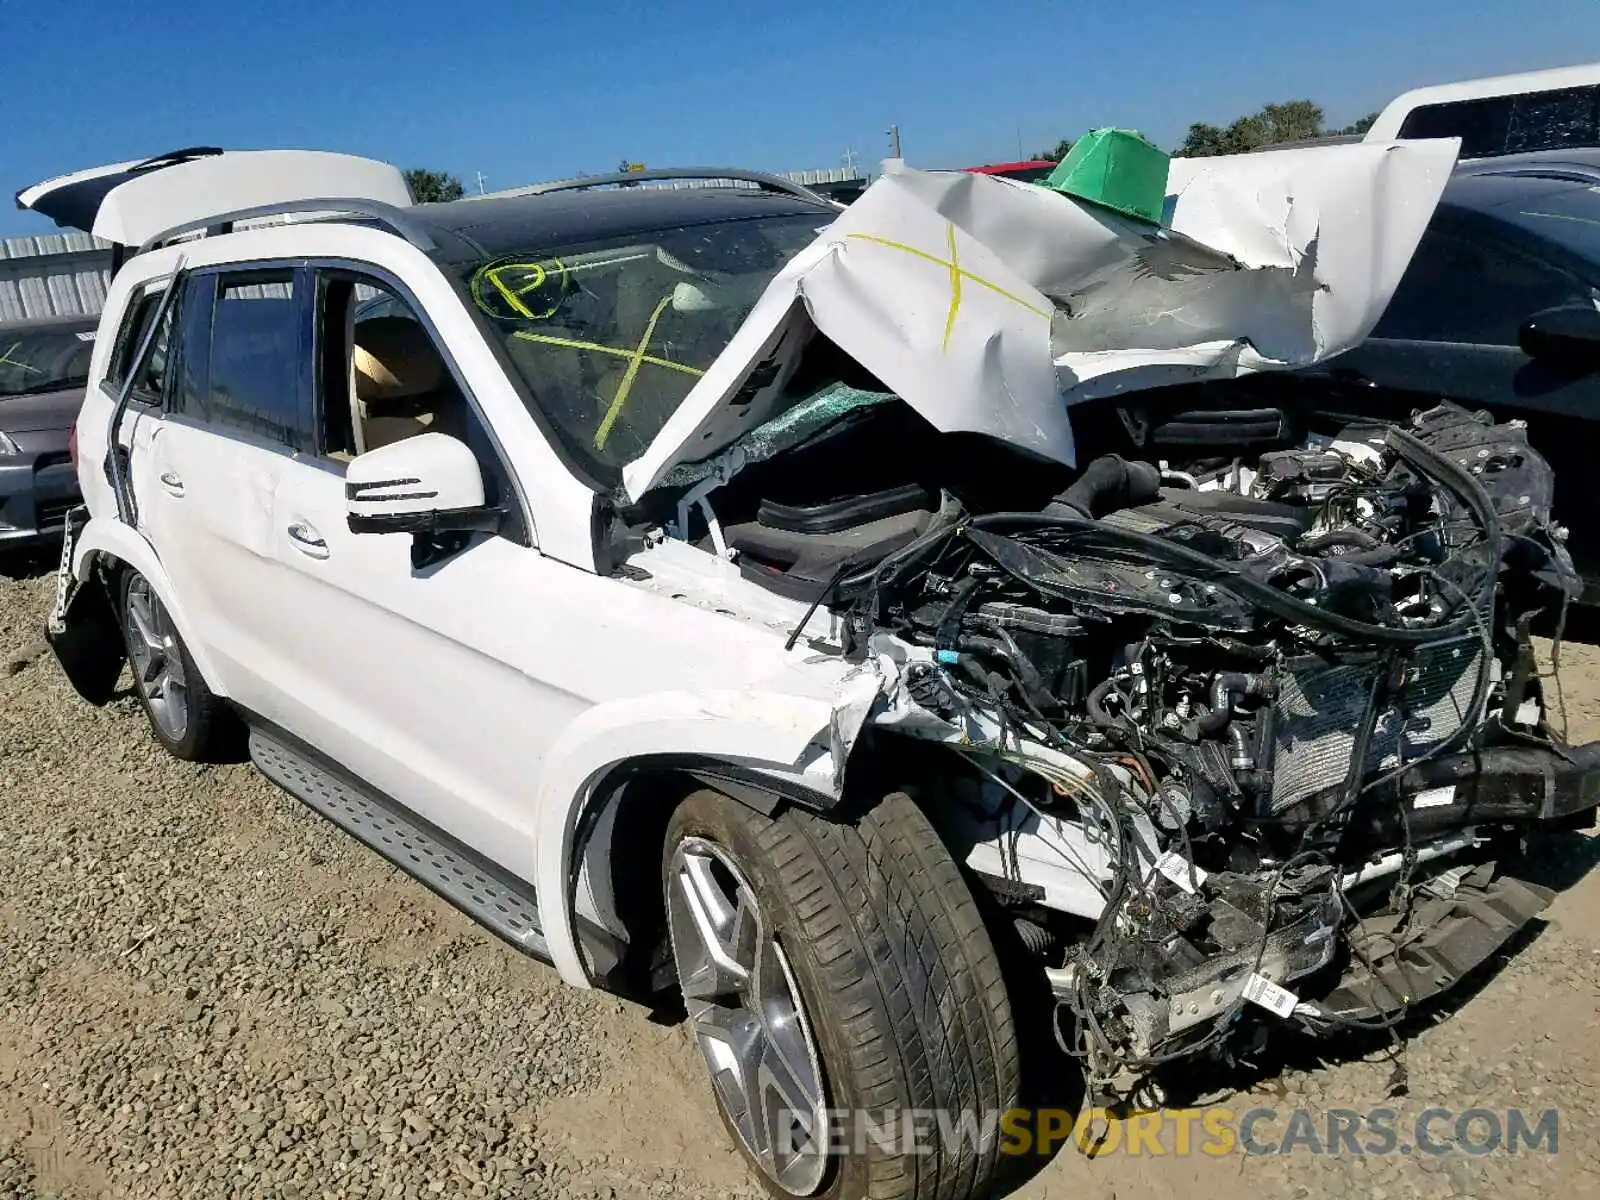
[{"x": 890, "y": 748}]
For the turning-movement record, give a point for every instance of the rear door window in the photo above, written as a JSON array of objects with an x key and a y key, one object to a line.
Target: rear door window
[{"x": 257, "y": 372}]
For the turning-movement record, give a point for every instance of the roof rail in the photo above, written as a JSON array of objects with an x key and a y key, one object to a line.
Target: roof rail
[
  {"x": 395, "y": 219},
  {"x": 762, "y": 180}
]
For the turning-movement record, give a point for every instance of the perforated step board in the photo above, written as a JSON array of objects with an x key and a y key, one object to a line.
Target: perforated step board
[{"x": 485, "y": 893}]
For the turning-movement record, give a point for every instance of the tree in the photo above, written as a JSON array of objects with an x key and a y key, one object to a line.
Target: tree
[
  {"x": 1063, "y": 148},
  {"x": 429, "y": 187},
  {"x": 1290, "y": 121},
  {"x": 1358, "y": 128}
]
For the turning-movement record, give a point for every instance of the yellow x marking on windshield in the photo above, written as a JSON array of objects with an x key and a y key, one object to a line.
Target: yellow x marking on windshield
[
  {"x": 7, "y": 360},
  {"x": 634, "y": 361},
  {"x": 957, "y": 274},
  {"x": 547, "y": 339},
  {"x": 636, "y": 358}
]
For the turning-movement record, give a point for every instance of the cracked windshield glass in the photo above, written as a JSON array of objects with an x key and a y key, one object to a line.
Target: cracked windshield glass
[{"x": 608, "y": 339}]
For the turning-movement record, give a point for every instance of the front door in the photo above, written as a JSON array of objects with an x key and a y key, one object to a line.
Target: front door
[{"x": 406, "y": 675}]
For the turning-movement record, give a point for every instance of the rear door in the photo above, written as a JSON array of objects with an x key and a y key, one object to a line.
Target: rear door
[{"x": 206, "y": 473}]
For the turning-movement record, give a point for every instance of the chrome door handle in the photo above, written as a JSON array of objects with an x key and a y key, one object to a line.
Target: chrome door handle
[
  {"x": 173, "y": 482},
  {"x": 307, "y": 540}
]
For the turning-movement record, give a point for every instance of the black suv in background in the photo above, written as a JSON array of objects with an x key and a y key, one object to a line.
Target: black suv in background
[{"x": 1499, "y": 310}]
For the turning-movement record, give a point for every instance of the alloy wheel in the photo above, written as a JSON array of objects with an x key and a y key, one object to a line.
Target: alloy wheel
[
  {"x": 156, "y": 660},
  {"x": 747, "y": 1015}
]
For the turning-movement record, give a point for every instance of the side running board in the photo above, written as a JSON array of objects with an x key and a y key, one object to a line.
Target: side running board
[{"x": 485, "y": 892}]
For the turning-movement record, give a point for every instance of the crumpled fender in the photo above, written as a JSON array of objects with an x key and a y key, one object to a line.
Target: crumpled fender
[
  {"x": 103, "y": 535},
  {"x": 783, "y": 736}
]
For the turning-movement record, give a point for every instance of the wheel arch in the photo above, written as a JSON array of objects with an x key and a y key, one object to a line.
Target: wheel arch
[
  {"x": 764, "y": 748},
  {"x": 599, "y": 868},
  {"x": 105, "y": 548}
]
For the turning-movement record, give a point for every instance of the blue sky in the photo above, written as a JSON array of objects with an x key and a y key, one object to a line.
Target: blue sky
[{"x": 524, "y": 91}]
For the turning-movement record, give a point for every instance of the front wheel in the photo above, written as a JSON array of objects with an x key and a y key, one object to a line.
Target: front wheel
[
  {"x": 846, "y": 997},
  {"x": 186, "y": 718}
]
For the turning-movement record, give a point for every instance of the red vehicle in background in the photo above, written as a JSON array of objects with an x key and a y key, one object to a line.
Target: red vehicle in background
[{"x": 1032, "y": 171}]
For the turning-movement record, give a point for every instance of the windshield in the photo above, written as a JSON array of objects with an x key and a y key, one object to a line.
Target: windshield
[
  {"x": 34, "y": 360},
  {"x": 608, "y": 338}
]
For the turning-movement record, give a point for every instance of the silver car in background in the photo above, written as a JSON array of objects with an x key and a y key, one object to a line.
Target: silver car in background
[{"x": 44, "y": 366}]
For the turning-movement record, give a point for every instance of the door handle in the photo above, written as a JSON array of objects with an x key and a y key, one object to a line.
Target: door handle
[
  {"x": 173, "y": 482},
  {"x": 307, "y": 540}
]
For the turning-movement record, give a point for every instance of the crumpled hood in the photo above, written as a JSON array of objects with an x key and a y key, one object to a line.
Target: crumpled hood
[{"x": 991, "y": 306}]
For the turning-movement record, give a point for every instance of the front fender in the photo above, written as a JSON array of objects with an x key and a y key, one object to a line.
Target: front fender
[
  {"x": 780, "y": 736},
  {"x": 109, "y": 537}
]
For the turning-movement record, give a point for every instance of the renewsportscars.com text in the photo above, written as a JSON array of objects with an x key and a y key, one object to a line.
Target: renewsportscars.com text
[{"x": 1214, "y": 1132}]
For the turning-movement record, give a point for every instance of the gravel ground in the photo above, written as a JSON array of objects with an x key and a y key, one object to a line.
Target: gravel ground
[{"x": 205, "y": 990}]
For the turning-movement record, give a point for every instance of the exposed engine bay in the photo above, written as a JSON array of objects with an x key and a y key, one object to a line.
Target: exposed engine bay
[
  {"x": 1246, "y": 739},
  {"x": 1267, "y": 727}
]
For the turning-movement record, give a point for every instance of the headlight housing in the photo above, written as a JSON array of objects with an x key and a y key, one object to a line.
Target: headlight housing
[{"x": 7, "y": 446}]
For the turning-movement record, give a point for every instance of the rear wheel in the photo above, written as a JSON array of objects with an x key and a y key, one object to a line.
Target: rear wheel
[
  {"x": 186, "y": 718},
  {"x": 843, "y": 989}
]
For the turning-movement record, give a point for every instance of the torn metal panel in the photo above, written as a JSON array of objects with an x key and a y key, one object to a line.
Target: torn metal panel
[{"x": 991, "y": 306}]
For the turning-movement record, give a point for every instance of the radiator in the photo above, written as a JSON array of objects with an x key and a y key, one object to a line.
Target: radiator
[{"x": 1319, "y": 707}]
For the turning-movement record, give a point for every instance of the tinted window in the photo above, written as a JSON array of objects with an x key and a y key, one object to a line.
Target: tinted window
[
  {"x": 255, "y": 364},
  {"x": 1474, "y": 290},
  {"x": 44, "y": 360},
  {"x": 1497, "y": 125}
]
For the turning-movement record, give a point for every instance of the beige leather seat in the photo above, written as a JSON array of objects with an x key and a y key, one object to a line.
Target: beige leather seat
[{"x": 399, "y": 386}]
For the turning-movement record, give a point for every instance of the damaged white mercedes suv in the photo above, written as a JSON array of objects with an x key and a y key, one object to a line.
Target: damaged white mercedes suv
[{"x": 836, "y": 617}]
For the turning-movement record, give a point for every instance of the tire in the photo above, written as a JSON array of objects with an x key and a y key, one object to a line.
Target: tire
[
  {"x": 899, "y": 993},
  {"x": 186, "y": 718}
]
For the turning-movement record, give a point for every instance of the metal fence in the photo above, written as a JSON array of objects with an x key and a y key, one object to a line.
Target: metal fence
[{"x": 53, "y": 275}]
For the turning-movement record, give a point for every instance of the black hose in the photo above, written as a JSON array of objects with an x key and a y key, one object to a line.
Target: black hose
[
  {"x": 1094, "y": 703},
  {"x": 1108, "y": 483},
  {"x": 1022, "y": 670},
  {"x": 1224, "y": 688},
  {"x": 1247, "y": 587},
  {"x": 1315, "y": 543}
]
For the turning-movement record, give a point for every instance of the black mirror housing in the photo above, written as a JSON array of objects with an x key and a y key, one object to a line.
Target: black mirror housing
[{"x": 1566, "y": 336}]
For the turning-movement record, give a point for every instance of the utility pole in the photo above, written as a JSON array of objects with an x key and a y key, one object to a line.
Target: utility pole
[
  {"x": 894, "y": 141},
  {"x": 480, "y": 183}
]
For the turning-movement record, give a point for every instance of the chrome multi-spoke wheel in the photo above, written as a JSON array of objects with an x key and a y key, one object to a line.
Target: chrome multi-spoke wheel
[
  {"x": 748, "y": 1015},
  {"x": 156, "y": 659}
]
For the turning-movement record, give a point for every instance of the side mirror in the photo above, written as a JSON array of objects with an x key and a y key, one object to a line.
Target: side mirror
[
  {"x": 428, "y": 484},
  {"x": 1568, "y": 336}
]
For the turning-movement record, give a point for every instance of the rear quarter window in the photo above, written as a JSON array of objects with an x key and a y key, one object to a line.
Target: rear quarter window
[{"x": 136, "y": 320}]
